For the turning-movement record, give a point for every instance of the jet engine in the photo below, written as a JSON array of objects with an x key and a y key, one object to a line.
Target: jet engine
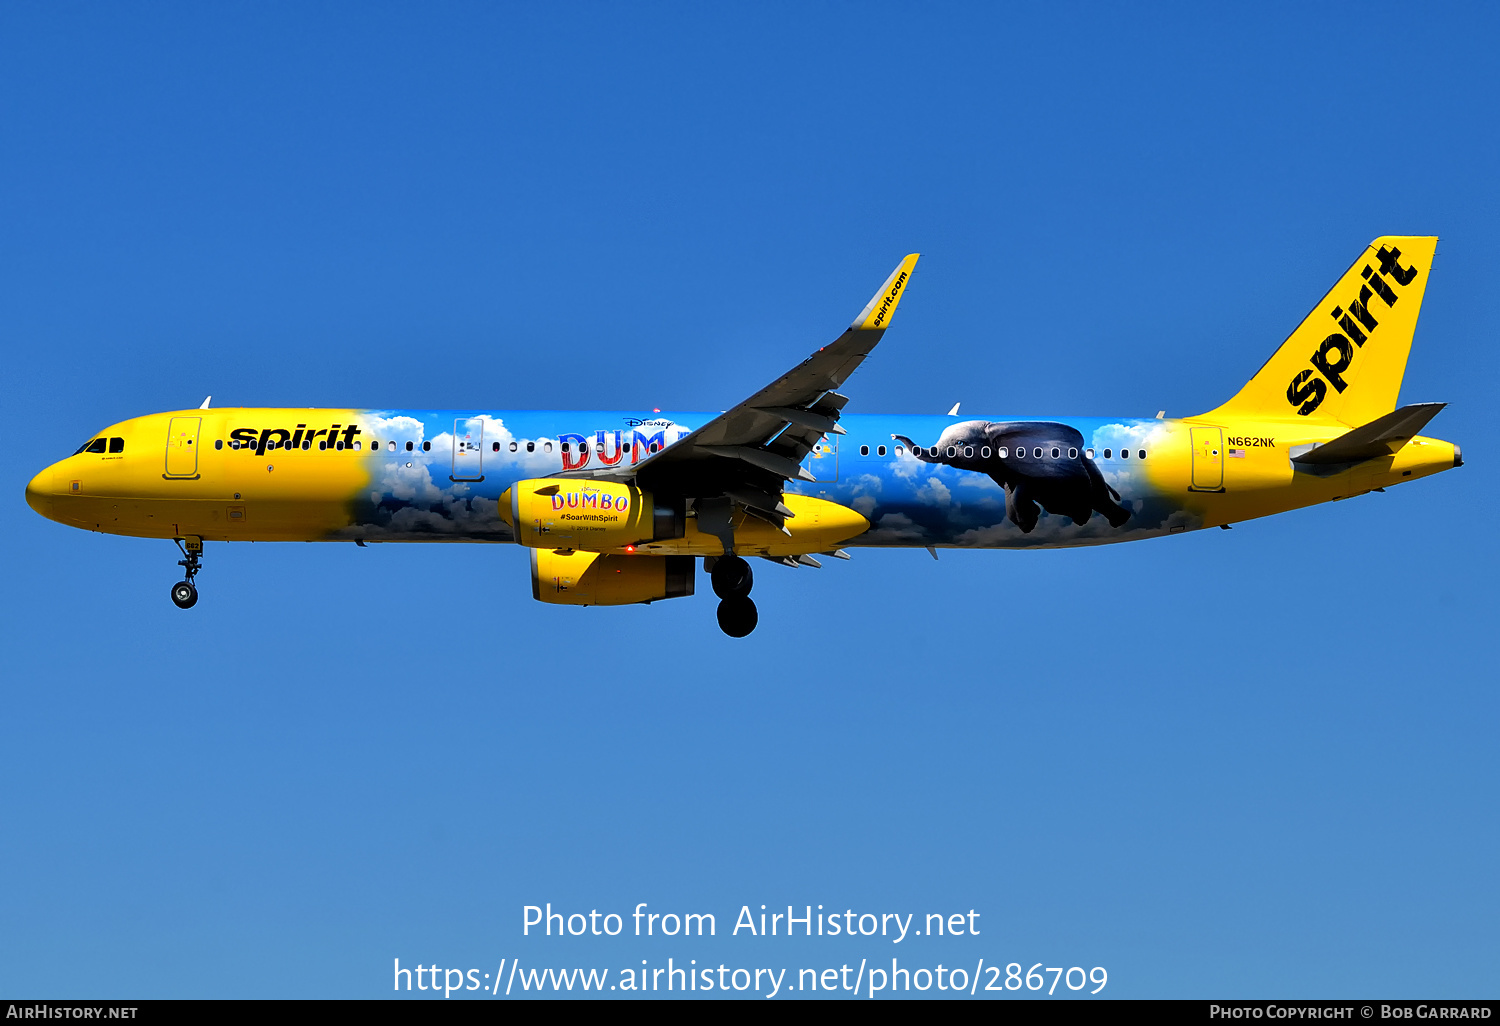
[{"x": 577, "y": 578}]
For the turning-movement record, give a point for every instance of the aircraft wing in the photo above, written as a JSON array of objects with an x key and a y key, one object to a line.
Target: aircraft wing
[{"x": 747, "y": 454}]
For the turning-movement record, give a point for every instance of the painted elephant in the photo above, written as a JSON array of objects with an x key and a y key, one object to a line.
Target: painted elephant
[{"x": 1038, "y": 463}]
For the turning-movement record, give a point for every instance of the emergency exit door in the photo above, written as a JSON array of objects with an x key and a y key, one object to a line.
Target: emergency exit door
[
  {"x": 182, "y": 447},
  {"x": 468, "y": 449},
  {"x": 823, "y": 460},
  {"x": 1208, "y": 459}
]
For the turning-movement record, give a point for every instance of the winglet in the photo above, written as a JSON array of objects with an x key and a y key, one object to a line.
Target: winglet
[
  {"x": 876, "y": 316},
  {"x": 205, "y": 403}
]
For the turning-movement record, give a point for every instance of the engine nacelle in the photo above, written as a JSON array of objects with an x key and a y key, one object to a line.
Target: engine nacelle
[
  {"x": 589, "y": 579},
  {"x": 582, "y": 514}
]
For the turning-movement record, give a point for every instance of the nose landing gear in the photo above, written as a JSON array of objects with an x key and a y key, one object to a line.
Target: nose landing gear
[
  {"x": 185, "y": 592},
  {"x": 732, "y": 579}
]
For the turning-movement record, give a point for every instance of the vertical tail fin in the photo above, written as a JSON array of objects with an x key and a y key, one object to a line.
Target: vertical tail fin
[{"x": 1345, "y": 361}]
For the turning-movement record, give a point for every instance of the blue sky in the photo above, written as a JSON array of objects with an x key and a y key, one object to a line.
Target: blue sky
[{"x": 1248, "y": 763}]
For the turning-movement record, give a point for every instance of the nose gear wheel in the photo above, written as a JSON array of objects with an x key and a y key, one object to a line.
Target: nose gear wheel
[{"x": 185, "y": 591}]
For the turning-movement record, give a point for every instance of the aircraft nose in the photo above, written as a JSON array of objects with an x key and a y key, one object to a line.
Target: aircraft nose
[{"x": 40, "y": 491}]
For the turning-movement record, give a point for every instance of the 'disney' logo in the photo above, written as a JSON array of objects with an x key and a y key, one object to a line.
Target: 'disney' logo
[{"x": 1336, "y": 352}]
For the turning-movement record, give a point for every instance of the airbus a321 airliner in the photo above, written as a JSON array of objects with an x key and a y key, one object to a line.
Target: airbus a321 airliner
[{"x": 616, "y": 507}]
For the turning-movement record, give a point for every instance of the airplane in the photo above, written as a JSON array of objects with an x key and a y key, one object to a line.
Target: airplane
[{"x": 617, "y": 507}]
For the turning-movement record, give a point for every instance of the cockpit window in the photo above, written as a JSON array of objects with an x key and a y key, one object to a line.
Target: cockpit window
[
  {"x": 97, "y": 445},
  {"x": 117, "y": 445}
]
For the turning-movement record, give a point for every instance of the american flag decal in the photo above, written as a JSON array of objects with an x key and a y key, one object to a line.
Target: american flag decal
[{"x": 1237, "y": 454}]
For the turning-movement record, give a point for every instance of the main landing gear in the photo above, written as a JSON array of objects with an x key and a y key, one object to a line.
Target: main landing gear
[
  {"x": 732, "y": 580},
  {"x": 185, "y": 592}
]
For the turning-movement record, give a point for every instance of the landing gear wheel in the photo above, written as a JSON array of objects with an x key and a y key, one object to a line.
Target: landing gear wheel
[
  {"x": 185, "y": 592},
  {"x": 732, "y": 578},
  {"x": 737, "y": 617}
]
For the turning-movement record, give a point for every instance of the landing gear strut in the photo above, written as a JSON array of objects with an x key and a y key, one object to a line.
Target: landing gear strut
[
  {"x": 732, "y": 580},
  {"x": 185, "y": 592}
]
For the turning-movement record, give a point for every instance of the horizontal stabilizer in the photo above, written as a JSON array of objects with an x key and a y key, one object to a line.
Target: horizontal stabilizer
[{"x": 1381, "y": 437}]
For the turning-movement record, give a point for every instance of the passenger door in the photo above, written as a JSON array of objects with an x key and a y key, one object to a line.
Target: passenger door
[
  {"x": 182, "y": 447},
  {"x": 1208, "y": 459}
]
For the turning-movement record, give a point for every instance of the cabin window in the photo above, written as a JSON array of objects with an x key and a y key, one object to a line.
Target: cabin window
[
  {"x": 118, "y": 444},
  {"x": 1002, "y": 452},
  {"x": 339, "y": 446},
  {"x": 900, "y": 450},
  {"x": 968, "y": 452},
  {"x": 409, "y": 447},
  {"x": 426, "y": 446},
  {"x": 1124, "y": 454},
  {"x": 374, "y": 444},
  {"x": 97, "y": 445},
  {"x": 1072, "y": 453},
  {"x": 495, "y": 447},
  {"x": 933, "y": 453},
  {"x": 625, "y": 448},
  {"x": 1106, "y": 454},
  {"x": 391, "y": 446},
  {"x": 1089, "y": 453},
  {"x": 512, "y": 446},
  {"x": 566, "y": 445},
  {"x": 218, "y": 443},
  {"x": 1037, "y": 452},
  {"x": 880, "y": 450},
  {"x": 1142, "y": 454},
  {"x": 1020, "y": 453},
  {"x": 546, "y": 447},
  {"x": 1056, "y": 452},
  {"x": 322, "y": 444},
  {"x": 864, "y": 450},
  {"x": 531, "y": 447}
]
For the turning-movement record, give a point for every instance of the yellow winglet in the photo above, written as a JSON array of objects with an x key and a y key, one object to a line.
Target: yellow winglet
[{"x": 876, "y": 316}]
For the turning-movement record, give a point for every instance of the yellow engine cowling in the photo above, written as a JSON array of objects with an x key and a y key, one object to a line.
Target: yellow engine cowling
[
  {"x": 593, "y": 515},
  {"x": 577, "y": 578}
]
